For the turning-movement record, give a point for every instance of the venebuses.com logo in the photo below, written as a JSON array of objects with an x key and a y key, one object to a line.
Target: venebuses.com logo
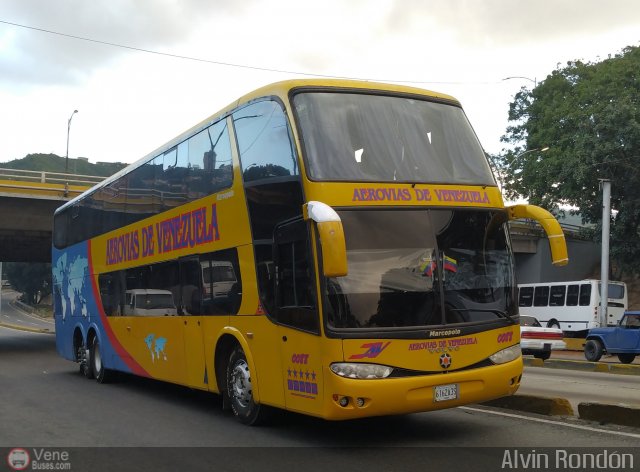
[{"x": 39, "y": 459}]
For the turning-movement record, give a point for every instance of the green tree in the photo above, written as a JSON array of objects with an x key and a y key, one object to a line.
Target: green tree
[
  {"x": 54, "y": 163},
  {"x": 32, "y": 279},
  {"x": 588, "y": 114}
]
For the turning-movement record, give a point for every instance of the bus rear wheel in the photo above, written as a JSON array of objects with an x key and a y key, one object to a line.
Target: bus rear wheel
[
  {"x": 240, "y": 390},
  {"x": 593, "y": 350},
  {"x": 101, "y": 374},
  {"x": 84, "y": 360}
]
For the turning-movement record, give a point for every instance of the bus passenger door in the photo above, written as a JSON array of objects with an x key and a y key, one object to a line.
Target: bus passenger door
[
  {"x": 190, "y": 298},
  {"x": 297, "y": 314}
]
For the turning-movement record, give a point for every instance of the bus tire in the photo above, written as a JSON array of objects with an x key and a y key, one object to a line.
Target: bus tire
[
  {"x": 240, "y": 390},
  {"x": 553, "y": 324},
  {"x": 593, "y": 350},
  {"x": 84, "y": 355},
  {"x": 626, "y": 358},
  {"x": 101, "y": 374}
]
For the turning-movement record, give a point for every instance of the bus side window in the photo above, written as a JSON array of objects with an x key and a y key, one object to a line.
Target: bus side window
[
  {"x": 526, "y": 296},
  {"x": 541, "y": 296},
  {"x": 572, "y": 295},
  {"x": 294, "y": 280},
  {"x": 557, "y": 295},
  {"x": 264, "y": 141},
  {"x": 221, "y": 283},
  {"x": 265, "y": 273},
  {"x": 210, "y": 160},
  {"x": 585, "y": 294}
]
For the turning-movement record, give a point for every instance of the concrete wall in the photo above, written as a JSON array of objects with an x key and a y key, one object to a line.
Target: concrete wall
[{"x": 584, "y": 259}]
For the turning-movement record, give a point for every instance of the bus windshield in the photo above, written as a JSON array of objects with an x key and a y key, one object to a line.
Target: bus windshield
[
  {"x": 377, "y": 138},
  {"x": 410, "y": 268}
]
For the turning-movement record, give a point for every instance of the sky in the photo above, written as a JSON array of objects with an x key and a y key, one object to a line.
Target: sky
[{"x": 183, "y": 60}]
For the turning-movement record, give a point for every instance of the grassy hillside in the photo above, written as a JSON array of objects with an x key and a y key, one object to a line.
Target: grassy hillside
[{"x": 55, "y": 163}]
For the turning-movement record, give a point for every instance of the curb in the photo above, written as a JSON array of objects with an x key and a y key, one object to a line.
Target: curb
[
  {"x": 25, "y": 328},
  {"x": 609, "y": 367},
  {"x": 602, "y": 413},
  {"x": 551, "y": 406},
  {"x": 574, "y": 344},
  {"x": 616, "y": 414}
]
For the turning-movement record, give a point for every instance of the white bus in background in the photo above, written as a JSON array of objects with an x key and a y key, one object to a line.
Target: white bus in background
[{"x": 571, "y": 306}]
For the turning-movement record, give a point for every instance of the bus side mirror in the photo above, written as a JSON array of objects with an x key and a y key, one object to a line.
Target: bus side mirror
[
  {"x": 331, "y": 233},
  {"x": 557, "y": 243}
]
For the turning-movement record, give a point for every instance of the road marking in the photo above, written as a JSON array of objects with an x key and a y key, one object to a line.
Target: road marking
[{"x": 559, "y": 423}]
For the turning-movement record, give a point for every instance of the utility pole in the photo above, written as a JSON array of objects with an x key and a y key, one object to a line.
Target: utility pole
[{"x": 604, "y": 261}]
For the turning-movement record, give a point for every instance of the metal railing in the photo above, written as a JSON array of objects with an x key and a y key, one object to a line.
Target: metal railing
[
  {"x": 525, "y": 227},
  {"x": 45, "y": 177}
]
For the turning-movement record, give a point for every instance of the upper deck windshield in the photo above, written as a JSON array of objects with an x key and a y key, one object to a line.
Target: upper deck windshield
[
  {"x": 410, "y": 268},
  {"x": 377, "y": 138}
]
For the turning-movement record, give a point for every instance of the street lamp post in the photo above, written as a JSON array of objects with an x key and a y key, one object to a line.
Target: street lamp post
[
  {"x": 66, "y": 159},
  {"x": 535, "y": 81}
]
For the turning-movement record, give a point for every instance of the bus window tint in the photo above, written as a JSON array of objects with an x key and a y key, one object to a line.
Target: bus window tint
[
  {"x": 140, "y": 194},
  {"x": 397, "y": 260},
  {"x": 210, "y": 160},
  {"x": 556, "y": 297},
  {"x": 295, "y": 300},
  {"x": 174, "y": 179},
  {"x": 264, "y": 141},
  {"x": 541, "y": 296},
  {"x": 572, "y": 295},
  {"x": 526, "y": 296},
  {"x": 221, "y": 283},
  {"x": 615, "y": 291},
  {"x": 421, "y": 141},
  {"x": 585, "y": 294}
]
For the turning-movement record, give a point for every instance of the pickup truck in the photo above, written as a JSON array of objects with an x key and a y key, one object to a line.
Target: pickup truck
[{"x": 623, "y": 339}]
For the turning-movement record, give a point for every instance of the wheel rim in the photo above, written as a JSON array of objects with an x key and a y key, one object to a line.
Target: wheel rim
[{"x": 241, "y": 383}]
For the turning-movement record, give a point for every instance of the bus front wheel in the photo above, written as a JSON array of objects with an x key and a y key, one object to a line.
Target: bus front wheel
[
  {"x": 593, "y": 350},
  {"x": 240, "y": 389}
]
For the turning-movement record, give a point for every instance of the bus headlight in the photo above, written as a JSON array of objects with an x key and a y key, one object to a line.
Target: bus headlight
[
  {"x": 354, "y": 370},
  {"x": 506, "y": 355}
]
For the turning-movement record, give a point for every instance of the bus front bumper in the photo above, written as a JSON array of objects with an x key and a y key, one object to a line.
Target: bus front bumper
[{"x": 347, "y": 398}]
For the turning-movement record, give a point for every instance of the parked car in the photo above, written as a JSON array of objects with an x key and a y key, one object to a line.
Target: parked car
[
  {"x": 149, "y": 302},
  {"x": 623, "y": 339},
  {"x": 539, "y": 341}
]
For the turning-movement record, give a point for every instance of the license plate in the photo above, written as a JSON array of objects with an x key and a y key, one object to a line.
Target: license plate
[{"x": 445, "y": 392}]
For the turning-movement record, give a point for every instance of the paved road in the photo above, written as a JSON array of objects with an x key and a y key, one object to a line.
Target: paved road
[
  {"x": 11, "y": 315},
  {"x": 44, "y": 402}
]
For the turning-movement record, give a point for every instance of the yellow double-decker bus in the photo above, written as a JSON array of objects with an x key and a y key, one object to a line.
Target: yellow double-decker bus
[{"x": 334, "y": 248}]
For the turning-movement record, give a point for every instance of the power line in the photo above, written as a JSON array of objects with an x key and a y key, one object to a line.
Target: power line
[{"x": 230, "y": 64}]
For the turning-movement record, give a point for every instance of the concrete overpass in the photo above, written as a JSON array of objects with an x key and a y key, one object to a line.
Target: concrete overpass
[
  {"x": 533, "y": 256},
  {"x": 27, "y": 202}
]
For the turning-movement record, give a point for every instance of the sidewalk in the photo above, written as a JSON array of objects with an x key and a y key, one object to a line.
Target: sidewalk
[{"x": 573, "y": 358}]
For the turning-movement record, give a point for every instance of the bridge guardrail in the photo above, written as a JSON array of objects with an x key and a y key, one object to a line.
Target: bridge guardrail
[
  {"x": 529, "y": 227},
  {"x": 45, "y": 177}
]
